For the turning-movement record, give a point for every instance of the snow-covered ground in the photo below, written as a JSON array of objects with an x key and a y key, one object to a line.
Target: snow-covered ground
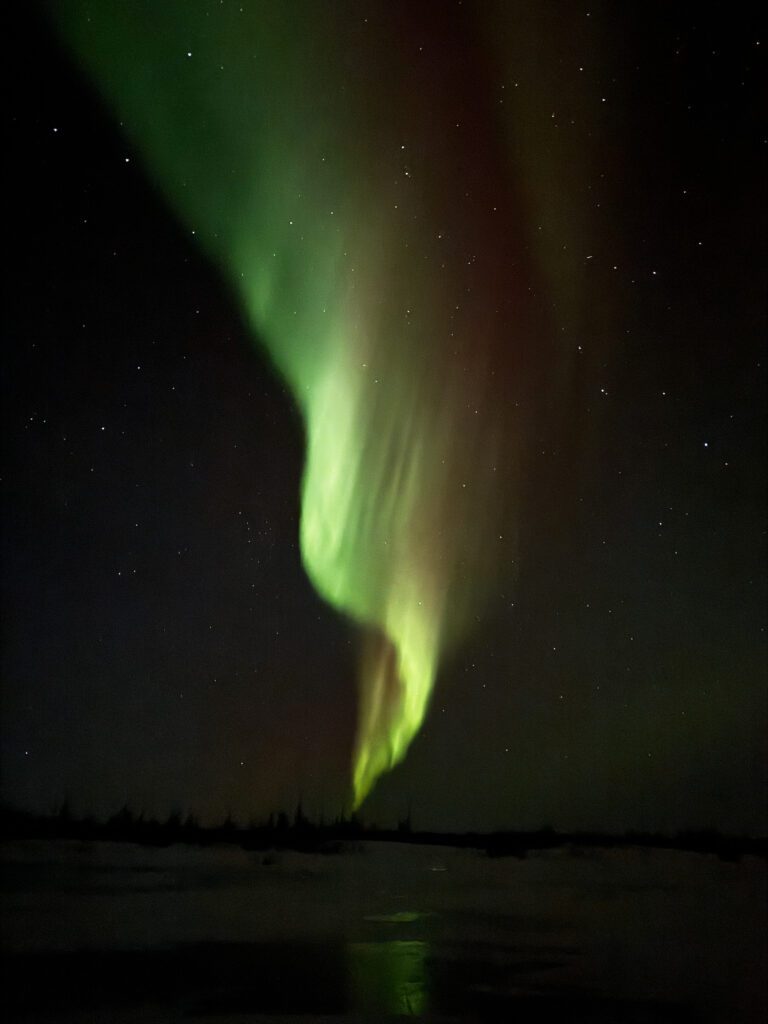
[{"x": 113, "y": 932}]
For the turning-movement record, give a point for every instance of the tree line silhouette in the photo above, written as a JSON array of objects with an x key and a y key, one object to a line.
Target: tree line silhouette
[{"x": 299, "y": 832}]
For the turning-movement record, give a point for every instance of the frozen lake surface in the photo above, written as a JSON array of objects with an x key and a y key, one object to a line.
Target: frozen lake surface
[{"x": 105, "y": 932}]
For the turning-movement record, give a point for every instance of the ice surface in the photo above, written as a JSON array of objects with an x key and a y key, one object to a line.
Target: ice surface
[{"x": 104, "y": 931}]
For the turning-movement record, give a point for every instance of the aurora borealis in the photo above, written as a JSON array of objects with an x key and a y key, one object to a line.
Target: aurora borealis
[
  {"x": 450, "y": 309},
  {"x": 375, "y": 269}
]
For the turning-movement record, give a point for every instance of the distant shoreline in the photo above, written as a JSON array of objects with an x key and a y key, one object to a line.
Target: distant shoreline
[{"x": 303, "y": 835}]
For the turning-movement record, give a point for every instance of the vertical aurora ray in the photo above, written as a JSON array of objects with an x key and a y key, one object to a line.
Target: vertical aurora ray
[{"x": 321, "y": 156}]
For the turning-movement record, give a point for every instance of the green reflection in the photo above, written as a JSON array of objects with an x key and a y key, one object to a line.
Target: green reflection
[{"x": 388, "y": 977}]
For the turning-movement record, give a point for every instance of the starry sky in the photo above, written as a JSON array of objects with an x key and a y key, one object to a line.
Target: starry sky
[{"x": 557, "y": 219}]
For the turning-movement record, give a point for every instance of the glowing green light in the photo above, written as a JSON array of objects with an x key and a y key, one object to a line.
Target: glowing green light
[{"x": 247, "y": 123}]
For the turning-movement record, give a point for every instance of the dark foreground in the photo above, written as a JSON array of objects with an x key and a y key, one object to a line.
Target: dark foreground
[{"x": 104, "y": 932}]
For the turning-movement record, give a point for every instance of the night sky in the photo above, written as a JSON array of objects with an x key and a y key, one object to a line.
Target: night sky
[{"x": 535, "y": 419}]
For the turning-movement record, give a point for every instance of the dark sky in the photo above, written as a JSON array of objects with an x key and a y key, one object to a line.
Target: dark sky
[{"x": 161, "y": 642}]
